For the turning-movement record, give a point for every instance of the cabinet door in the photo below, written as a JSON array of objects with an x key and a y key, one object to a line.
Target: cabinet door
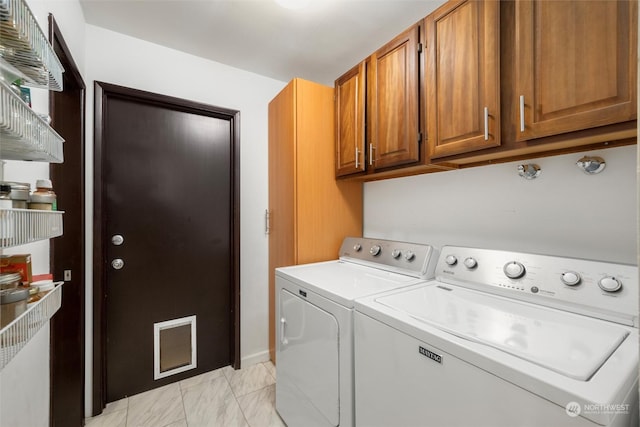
[
  {"x": 308, "y": 390},
  {"x": 350, "y": 94},
  {"x": 392, "y": 116},
  {"x": 463, "y": 77},
  {"x": 575, "y": 65},
  {"x": 282, "y": 242}
]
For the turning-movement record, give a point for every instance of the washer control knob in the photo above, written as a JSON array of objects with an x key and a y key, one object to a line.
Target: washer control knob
[
  {"x": 357, "y": 247},
  {"x": 610, "y": 284},
  {"x": 514, "y": 270},
  {"x": 375, "y": 250},
  {"x": 470, "y": 263},
  {"x": 451, "y": 260},
  {"x": 570, "y": 278},
  {"x": 409, "y": 256},
  {"x": 396, "y": 253}
]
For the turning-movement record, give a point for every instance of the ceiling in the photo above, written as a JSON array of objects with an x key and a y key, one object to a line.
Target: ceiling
[{"x": 318, "y": 42}]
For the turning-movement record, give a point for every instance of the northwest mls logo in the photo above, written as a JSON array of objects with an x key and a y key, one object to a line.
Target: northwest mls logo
[{"x": 573, "y": 409}]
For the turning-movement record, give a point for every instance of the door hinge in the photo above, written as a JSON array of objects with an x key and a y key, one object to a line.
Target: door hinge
[
  {"x": 419, "y": 47},
  {"x": 420, "y": 137}
]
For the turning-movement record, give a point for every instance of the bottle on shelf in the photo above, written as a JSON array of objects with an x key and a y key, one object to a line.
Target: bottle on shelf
[{"x": 43, "y": 198}]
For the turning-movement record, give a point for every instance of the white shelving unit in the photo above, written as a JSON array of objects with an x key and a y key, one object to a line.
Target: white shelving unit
[
  {"x": 23, "y": 134},
  {"x": 25, "y": 51},
  {"x": 17, "y": 334},
  {"x": 26, "y": 54},
  {"x": 22, "y": 226}
]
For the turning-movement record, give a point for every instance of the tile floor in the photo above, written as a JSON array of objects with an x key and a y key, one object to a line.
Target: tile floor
[{"x": 224, "y": 397}]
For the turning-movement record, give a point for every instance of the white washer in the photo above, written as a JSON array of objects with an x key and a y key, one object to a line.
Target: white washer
[
  {"x": 501, "y": 339},
  {"x": 314, "y": 324}
]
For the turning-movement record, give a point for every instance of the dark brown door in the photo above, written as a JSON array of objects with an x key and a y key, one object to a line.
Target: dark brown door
[
  {"x": 168, "y": 189},
  {"x": 67, "y": 251}
]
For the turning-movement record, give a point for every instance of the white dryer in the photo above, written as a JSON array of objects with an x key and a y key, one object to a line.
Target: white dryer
[
  {"x": 501, "y": 339},
  {"x": 314, "y": 324}
]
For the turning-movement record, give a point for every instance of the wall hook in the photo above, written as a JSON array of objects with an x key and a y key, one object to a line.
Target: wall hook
[
  {"x": 529, "y": 171},
  {"x": 591, "y": 165}
]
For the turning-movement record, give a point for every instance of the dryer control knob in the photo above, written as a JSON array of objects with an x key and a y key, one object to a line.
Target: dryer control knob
[
  {"x": 570, "y": 278},
  {"x": 470, "y": 263},
  {"x": 357, "y": 247},
  {"x": 514, "y": 270},
  {"x": 396, "y": 253},
  {"x": 610, "y": 284},
  {"x": 451, "y": 260},
  {"x": 409, "y": 256},
  {"x": 375, "y": 250}
]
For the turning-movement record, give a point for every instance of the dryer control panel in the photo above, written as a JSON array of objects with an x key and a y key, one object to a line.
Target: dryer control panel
[
  {"x": 413, "y": 259},
  {"x": 599, "y": 289}
]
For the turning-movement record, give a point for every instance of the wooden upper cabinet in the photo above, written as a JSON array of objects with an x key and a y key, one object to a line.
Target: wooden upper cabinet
[
  {"x": 498, "y": 80},
  {"x": 350, "y": 94},
  {"x": 575, "y": 65},
  {"x": 462, "y": 72},
  {"x": 392, "y": 102}
]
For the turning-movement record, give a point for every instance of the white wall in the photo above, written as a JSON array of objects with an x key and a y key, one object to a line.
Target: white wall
[
  {"x": 115, "y": 58},
  {"x": 24, "y": 385},
  {"x": 562, "y": 212}
]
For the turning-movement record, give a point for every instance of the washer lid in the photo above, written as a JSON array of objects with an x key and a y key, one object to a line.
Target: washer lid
[
  {"x": 572, "y": 345},
  {"x": 343, "y": 282}
]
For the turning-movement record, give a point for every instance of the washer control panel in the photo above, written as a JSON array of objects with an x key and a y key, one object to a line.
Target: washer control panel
[
  {"x": 601, "y": 289},
  {"x": 413, "y": 259}
]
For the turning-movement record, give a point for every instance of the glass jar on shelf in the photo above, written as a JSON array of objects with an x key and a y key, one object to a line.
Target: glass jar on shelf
[{"x": 43, "y": 198}]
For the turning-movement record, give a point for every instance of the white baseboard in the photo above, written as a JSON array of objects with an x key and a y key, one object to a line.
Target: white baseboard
[{"x": 252, "y": 359}]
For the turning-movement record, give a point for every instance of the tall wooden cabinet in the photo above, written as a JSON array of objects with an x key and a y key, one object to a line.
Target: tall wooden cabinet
[
  {"x": 310, "y": 212},
  {"x": 575, "y": 65},
  {"x": 463, "y": 77}
]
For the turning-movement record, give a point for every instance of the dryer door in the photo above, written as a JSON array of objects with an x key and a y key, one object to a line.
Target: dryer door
[{"x": 307, "y": 390}]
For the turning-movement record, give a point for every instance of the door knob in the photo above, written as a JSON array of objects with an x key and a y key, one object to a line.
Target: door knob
[
  {"x": 117, "y": 239},
  {"x": 117, "y": 263}
]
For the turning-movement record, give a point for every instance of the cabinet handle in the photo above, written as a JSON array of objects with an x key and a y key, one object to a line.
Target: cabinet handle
[
  {"x": 357, "y": 158},
  {"x": 283, "y": 340},
  {"x": 267, "y": 222},
  {"x": 486, "y": 124},
  {"x": 521, "y": 113},
  {"x": 371, "y": 148}
]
